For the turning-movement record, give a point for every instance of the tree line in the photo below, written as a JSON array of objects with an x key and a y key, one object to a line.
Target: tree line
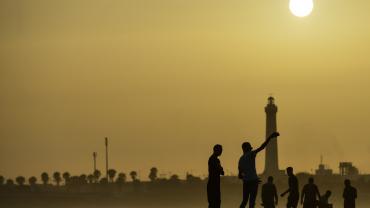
[{"x": 65, "y": 178}]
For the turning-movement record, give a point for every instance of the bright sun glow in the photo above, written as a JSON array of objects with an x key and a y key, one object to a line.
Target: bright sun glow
[{"x": 301, "y": 8}]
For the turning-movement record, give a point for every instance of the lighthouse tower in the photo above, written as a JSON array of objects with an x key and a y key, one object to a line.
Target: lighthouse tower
[{"x": 271, "y": 159}]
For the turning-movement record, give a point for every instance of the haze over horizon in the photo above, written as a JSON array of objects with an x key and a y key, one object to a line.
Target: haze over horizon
[{"x": 166, "y": 80}]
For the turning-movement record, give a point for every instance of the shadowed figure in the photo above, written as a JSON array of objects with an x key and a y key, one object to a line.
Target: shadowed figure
[
  {"x": 310, "y": 194},
  {"x": 293, "y": 190},
  {"x": 215, "y": 170},
  {"x": 324, "y": 200},
  {"x": 247, "y": 171},
  {"x": 269, "y": 194},
  {"x": 349, "y": 195}
]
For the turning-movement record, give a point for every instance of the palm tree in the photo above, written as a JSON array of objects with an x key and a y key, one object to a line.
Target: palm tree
[
  {"x": 90, "y": 178},
  {"x": 10, "y": 182},
  {"x": 153, "y": 174},
  {"x": 97, "y": 175},
  {"x": 32, "y": 181},
  {"x": 45, "y": 178},
  {"x": 20, "y": 180},
  {"x": 121, "y": 178},
  {"x": 174, "y": 178},
  {"x": 83, "y": 178},
  {"x": 103, "y": 181},
  {"x": 67, "y": 177},
  {"x": 133, "y": 175},
  {"x": 2, "y": 180},
  {"x": 111, "y": 174},
  {"x": 74, "y": 180},
  {"x": 57, "y": 178}
]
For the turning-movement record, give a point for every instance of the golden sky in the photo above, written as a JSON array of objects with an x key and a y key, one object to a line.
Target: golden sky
[{"x": 167, "y": 79}]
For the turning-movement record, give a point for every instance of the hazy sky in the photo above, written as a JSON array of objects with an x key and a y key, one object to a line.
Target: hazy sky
[{"x": 167, "y": 79}]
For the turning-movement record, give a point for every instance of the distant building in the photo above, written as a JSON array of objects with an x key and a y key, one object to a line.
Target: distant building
[
  {"x": 271, "y": 159},
  {"x": 323, "y": 170},
  {"x": 347, "y": 169}
]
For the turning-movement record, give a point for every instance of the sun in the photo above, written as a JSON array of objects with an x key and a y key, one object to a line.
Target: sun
[{"x": 301, "y": 8}]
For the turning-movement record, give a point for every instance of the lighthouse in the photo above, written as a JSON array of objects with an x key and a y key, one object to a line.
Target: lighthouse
[{"x": 271, "y": 159}]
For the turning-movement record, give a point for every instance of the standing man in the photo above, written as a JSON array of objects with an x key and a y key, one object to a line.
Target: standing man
[
  {"x": 269, "y": 194},
  {"x": 214, "y": 171},
  {"x": 349, "y": 195},
  {"x": 248, "y": 173},
  {"x": 293, "y": 190},
  {"x": 310, "y": 195}
]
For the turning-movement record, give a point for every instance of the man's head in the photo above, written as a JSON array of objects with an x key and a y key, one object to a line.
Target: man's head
[
  {"x": 217, "y": 149},
  {"x": 347, "y": 182},
  {"x": 310, "y": 180},
  {"x": 289, "y": 171},
  {"x": 247, "y": 147},
  {"x": 270, "y": 179}
]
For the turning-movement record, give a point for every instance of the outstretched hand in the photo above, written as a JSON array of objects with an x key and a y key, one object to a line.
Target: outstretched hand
[
  {"x": 275, "y": 134},
  {"x": 263, "y": 146}
]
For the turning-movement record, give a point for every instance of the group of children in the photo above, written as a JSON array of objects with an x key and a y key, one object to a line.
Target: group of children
[{"x": 310, "y": 196}]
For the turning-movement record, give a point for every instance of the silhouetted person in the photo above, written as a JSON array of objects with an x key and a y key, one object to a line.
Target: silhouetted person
[
  {"x": 293, "y": 190},
  {"x": 349, "y": 195},
  {"x": 215, "y": 170},
  {"x": 247, "y": 171},
  {"x": 324, "y": 200},
  {"x": 310, "y": 194},
  {"x": 269, "y": 194}
]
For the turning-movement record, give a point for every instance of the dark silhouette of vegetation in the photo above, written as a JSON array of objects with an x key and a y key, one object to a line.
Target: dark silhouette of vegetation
[
  {"x": 32, "y": 181},
  {"x": 175, "y": 178},
  {"x": 103, "y": 180},
  {"x": 2, "y": 180},
  {"x": 67, "y": 177},
  {"x": 90, "y": 178},
  {"x": 45, "y": 178},
  {"x": 20, "y": 180},
  {"x": 165, "y": 187},
  {"x": 83, "y": 179},
  {"x": 9, "y": 182},
  {"x": 57, "y": 178},
  {"x": 111, "y": 174},
  {"x": 192, "y": 179},
  {"x": 121, "y": 178},
  {"x": 153, "y": 175},
  {"x": 97, "y": 175},
  {"x": 133, "y": 175}
]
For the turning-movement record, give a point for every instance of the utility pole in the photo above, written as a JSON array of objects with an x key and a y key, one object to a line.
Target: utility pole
[
  {"x": 106, "y": 157},
  {"x": 94, "y": 156}
]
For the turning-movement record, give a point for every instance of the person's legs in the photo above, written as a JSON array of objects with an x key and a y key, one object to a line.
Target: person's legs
[
  {"x": 289, "y": 203},
  {"x": 214, "y": 202},
  {"x": 309, "y": 205},
  {"x": 253, "y": 193},
  {"x": 213, "y": 195},
  {"x": 218, "y": 197},
  {"x": 245, "y": 195},
  {"x": 209, "y": 195},
  {"x": 269, "y": 205},
  {"x": 292, "y": 201}
]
